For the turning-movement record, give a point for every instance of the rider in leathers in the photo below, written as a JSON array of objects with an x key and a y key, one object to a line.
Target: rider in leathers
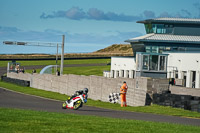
[{"x": 84, "y": 91}]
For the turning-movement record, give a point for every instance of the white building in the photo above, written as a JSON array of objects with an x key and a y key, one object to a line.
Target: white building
[
  {"x": 185, "y": 66},
  {"x": 171, "y": 49},
  {"x": 123, "y": 67}
]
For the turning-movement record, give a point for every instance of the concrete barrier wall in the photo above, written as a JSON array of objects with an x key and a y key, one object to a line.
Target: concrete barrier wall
[
  {"x": 99, "y": 87},
  {"x": 21, "y": 76},
  {"x": 185, "y": 91}
]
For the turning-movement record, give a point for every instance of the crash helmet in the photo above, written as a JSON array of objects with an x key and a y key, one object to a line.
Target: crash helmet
[{"x": 85, "y": 90}]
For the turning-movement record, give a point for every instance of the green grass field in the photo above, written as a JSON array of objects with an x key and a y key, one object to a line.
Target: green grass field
[
  {"x": 53, "y": 62},
  {"x": 21, "y": 121},
  {"x": 88, "y": 70}
]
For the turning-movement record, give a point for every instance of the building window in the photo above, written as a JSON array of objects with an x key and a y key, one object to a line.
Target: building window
[
  {"x": 175, "y": 49},
  {"x": 145, "y": 65},
  {"x": 162, "y": 63},
  {"x": 167, "y": 48},
  {"x": 148, "y": 28},
  {"x": 154, "y": 49},
  {"x": 158, "y": 28},
  {"x": 153, "y": 62},
  {"x": 176, "y": 74},
  {"x": 148, "y": 49},
  {"x": 181, "y": 48},
  {"x": 161, "y": 49}
]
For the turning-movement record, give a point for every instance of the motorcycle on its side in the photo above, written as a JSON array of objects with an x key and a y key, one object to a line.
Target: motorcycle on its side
[{"x": 75, "y": 101}]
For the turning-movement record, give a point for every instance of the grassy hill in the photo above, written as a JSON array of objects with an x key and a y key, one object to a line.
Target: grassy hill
[
  {"x": 113, "y": 50},
  {"x": 117, "y": 48}
]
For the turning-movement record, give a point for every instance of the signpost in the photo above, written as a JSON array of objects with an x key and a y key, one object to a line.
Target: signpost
[{"x": 43, "y": 44}]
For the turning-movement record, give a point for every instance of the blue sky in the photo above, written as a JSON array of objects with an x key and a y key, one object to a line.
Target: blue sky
[{"x": 88, "y": 25}]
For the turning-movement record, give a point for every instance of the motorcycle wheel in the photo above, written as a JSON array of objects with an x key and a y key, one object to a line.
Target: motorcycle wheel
[
  {"x": 64, "y": 105},
  {"x": 77, "y": 104}
]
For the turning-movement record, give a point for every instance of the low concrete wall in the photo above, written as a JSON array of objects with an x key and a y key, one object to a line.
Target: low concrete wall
[
  {"x": 185, "y": 91},
  {"x": 21, "y": 76},
  {"x": 99, "y": 87}
]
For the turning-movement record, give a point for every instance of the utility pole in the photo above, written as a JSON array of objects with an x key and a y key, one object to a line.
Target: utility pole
[
  {"x": 57, "y": 59},
  {"x": 62, "y": 55}
]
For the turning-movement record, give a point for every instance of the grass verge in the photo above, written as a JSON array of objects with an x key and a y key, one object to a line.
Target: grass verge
[
  {"x": 53, "y": 62},
  {"x": 88, "y": 70},
  {"x": 155, "y": 109},
  {"x": 17, "y": 120}
]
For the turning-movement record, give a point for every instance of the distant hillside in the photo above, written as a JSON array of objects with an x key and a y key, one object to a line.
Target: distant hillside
[
  {"x": 113, "y": 50},
  {"x": 117, "y": 49}
]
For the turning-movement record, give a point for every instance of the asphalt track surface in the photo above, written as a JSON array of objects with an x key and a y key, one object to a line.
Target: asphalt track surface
[{"x": 11, "y": 99}]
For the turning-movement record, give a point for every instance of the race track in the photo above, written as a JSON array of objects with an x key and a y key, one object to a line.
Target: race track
[{"x": 10, "y": 99}]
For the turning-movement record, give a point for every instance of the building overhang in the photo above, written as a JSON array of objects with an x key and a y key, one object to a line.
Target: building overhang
[
  {"x": 171, "y": 21},
  {"x": 166, "y": 38},
  {"x": 138, "y": 39}
]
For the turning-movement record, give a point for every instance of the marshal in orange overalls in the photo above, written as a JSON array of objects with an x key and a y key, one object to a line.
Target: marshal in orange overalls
[{"x": 123, "y": 91}]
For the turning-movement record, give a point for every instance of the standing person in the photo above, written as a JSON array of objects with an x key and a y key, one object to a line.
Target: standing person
[
  {"x": 34, "y": 71},
  {"x": 193, "y": 84},
  {"x": 58, "y": 73},
  {"x": 123, "y": 91}
]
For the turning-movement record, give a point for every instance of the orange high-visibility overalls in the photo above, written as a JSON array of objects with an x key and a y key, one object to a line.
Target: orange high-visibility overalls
[{"x": 123, "y": 91}]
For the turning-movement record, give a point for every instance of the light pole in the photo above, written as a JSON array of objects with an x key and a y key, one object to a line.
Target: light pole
[{"x": 62, "y": 55}]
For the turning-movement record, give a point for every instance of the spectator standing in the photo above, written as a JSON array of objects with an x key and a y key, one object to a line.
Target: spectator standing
[
  {"x": 58, "y": 73},
  {"x": 34, "y": 71}
]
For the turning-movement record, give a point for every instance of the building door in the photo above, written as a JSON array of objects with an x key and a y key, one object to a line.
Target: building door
[
  {"x": 127, "y": 73},
  {"x": 117, "y": 74},
  {"x": 132, "y": 74},
  {"x": 184, "y": 78},
  {"x": 113, "y": 73},
  {"x": 122, "y": 73},
  {"x": 193, "y": 78}
]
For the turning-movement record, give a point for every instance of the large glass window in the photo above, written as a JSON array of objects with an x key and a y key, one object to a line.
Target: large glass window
[
  {"x": 145, "y": 64},
  {"x": 161, "y": 49},
  {"x": 167, "y": 48},
  {"x": 153, "y": 62},
  {"x": 148, "y": 28},
  {"x": 154, "y": 49},
  {"x": 162, "y": 63},
  {"x": 158, "y": 28},
  {"x": 148, "y": 49},
  {"x": 181, "y": 49}
]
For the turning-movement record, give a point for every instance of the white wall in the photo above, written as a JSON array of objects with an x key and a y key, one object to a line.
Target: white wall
[
  {"x": 184, "y": 62},
  {"x": 125, "y": 66}
]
